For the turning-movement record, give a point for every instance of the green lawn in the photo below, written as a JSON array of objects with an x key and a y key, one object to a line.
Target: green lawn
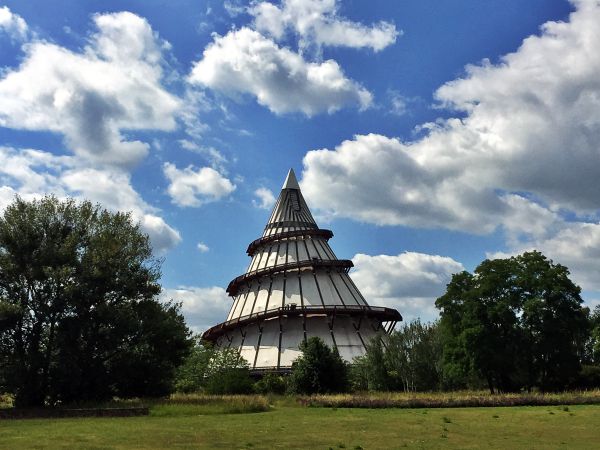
[{"x": 289, "y": 426}]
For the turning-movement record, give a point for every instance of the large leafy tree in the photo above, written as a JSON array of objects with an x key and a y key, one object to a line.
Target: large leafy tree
[
  {"x": 79, "y": 315},
  {"x": 516, "y": 322}
]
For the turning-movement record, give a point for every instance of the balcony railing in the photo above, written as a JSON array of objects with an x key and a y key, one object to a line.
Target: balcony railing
[
  {"x": 378, "y": 312},
  {"x": 234, "y": 285},
  {"x": 254, "y": 245}
]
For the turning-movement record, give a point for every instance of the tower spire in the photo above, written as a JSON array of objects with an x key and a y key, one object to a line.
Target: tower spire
[{"x": 290, "y": 181}]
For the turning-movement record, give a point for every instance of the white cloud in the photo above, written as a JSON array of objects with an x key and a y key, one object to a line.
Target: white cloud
[
  {"x": 13, "y": 25},
  {"x": 233, "y": 7},
  {"x": 245, "y": 62},
  {"x": 400, "y": 105},
  {"x": 112, "y": 189},
  {"x": 215, "y": 157},
  {"x": 191, "y": 187},
  {"x": 33, "y": 173},
  {"x": 202, "y": 247},
  {"x": 266, "y": 199},
  {"x": 202, "y": 307},
  {"x": 114, "y": 84},
  {"x": 525, "y": 152},
  {"x": 317, "y": 22},
  {"x": 379, "y": 180},
  {"x": 575, "y": 245},
  {"x": 409, "y": 281}
]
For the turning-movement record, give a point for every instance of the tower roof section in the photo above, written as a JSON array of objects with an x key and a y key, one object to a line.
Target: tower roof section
[
  {"x": 290, "y": 212},
  {"x": 290, "y": 181}
]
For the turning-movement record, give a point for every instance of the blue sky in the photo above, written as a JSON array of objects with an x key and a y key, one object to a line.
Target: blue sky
[{"x": 427, "y": 135}]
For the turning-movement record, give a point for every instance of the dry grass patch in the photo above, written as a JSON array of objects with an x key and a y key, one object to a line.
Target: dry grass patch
[{"x": 450, "y": 399}]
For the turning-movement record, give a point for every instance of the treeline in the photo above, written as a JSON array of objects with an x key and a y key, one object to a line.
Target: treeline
[
  {"x": 415, "y": 358},
  {"x": 81, "y": 320},
  {"x": 514, "y": 324}
]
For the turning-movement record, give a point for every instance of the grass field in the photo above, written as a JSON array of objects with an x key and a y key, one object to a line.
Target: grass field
[{"x": 218, "y": 423}]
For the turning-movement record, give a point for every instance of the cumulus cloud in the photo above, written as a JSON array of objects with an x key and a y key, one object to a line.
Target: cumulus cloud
[
  {"x": 575, "y": 245},
  {"x": 526, "y": 149},
  {"x": 216, "y": 158},
  {"x": 112, "y": 189},
  {"x": 13, "y": 25},
  {"x": 202, "y": 247},
  {"x": 202, "y": 307},
  {"x": 195, "y": 187},
  {"x": 266, "y": 199},
  {"x": 114, "y": 84},
  {"x": 317, "y": 22},
  {"x": 245, "y": 62},
  {"x": 409, "y": 281},
  {"x": 33, "y": 173}
]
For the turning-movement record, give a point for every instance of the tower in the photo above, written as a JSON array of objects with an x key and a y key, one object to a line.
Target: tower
[{"x": 295, "y": 288}]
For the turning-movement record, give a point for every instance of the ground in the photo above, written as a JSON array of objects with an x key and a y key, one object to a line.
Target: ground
[{"x": 287, "y": 425}]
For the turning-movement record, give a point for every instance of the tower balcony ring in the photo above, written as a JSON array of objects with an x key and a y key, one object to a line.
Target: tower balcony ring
[
  {"x": 247, "y": 278},
  {"x": 257, "y": 243}
]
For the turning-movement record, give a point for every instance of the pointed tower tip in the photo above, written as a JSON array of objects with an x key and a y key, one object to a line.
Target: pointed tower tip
[{"x": 290, "y": 181}]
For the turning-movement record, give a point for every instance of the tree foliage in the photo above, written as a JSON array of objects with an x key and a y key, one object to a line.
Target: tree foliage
[
  {"x": 515, "y": 322},
  {"x": 319, "y": 369},
  {"x": 408, "y": 359},
  {"x": 271, "y": 383},
  {"x": 79, "y": 315},
  {"x": 593, "y": 349},
  {"x": 214, "y": 371},
  {"x": 228, "y": 373}
]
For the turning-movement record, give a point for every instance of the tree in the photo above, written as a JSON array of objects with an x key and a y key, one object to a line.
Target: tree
[
  {"x": 319, "y": 370},
  {"x": 555, "y": 324},
  {"x": 516, "y": 322},
  {"x": 594, "y": 341},
  {"x": 215, "y": 371},
  {"x": 191, "y": 376},
  {"x": 79, "y": 314},
  {"x": 408, "y": 359},
  {"x": 413, "y": 357},
  {"x": 228, "y": 373}
]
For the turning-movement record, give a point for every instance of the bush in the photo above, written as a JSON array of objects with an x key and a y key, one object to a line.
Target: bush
[
  {"x": 191, "y": 375},
  {"x": 319, "y": 370},
  {"x": 271, "y": 383},
  {"x": 215, "y": 371},
  {"x": 230, "y": 380},
  {"x": 589, "y": 377},
  {"x": 228, "y": 373}
]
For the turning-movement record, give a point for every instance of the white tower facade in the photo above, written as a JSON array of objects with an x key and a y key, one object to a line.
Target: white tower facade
[{"x": 295, "y": 287}]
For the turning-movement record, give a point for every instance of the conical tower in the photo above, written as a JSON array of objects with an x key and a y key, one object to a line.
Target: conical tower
[{"x": 295, "y": 288}]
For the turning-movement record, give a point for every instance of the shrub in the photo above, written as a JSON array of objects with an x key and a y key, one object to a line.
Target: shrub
[
  {"x": 232, "y": 380},
  {"x": 589, "y": 377},
  {"x": 319, "y": 370},
  {"x": 228, "y": 373},
  {"x": 271, "y": 383},
  {"x": 191, "y": 375}
]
